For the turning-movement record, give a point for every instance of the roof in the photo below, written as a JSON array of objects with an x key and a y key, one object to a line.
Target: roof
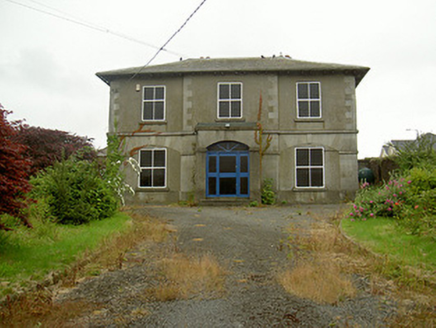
[{"x": 280, "y": 64}]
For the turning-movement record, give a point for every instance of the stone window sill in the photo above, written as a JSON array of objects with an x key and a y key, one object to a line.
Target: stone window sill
[
  {"x": 146, "y": 123},
  {"x": 230, "y": 119},
  {"x": 299, "y": 189},
  {"x": 309, "y": 120},
  {"x": 166, "y": 189}
]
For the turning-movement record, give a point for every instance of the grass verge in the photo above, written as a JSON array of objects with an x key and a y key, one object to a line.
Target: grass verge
[
  {"x": 173, "y": 274},
  {"x": 31, "y": 254},
  {"x": 406, "y": 261},
  {"x": 385, "y": 237}
]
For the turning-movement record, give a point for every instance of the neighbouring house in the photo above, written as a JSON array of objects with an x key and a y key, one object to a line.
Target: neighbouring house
[
  {"x": 393, "y": 146},
  {"x": 191, "y": 126}
]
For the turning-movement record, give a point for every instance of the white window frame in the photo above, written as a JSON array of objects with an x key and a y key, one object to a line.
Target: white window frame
[
  {"x": 152, "y": 168},
  {"x": 154, "y": 100},
  {"x": 229, "y": 100},
  {"x": 308, "y": 100},
  {"x": 309, "y": 167}
]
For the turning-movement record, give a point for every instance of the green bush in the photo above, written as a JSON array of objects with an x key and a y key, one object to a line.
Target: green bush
[
  {"x": 73, "y": 192},
  {"x": 268, "y": 196},
  {"x": 419, "y": 153},
  {"x": 423, "y": 179},
  {"x": 419, "y": 211}
]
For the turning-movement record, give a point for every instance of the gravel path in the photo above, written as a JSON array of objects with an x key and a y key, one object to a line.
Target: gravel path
[{"x": 249, "y": 242}]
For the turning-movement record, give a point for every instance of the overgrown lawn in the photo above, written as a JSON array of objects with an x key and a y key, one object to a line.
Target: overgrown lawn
[
  {"x": 30, "y": 254},
  {"x": 384, "y": 236}
]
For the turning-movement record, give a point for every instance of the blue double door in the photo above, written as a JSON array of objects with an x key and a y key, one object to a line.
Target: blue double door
[{"x": 227, "y": 173}]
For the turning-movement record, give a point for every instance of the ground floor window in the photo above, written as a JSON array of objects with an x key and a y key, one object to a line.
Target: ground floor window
[
  {"x": 153, "y": 164},
  {"x": 309, "y": 164}
]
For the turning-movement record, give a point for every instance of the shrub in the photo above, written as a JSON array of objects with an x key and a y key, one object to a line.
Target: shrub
[
  {"x": 74, "y": 192},
  {"x": 268, "y": 196},
  {"x": 384, "y": 201},
  {"x": 254, "y": 203},
  {"x": 411, "y": 203},
  {"x": 418, "y": 214},
  {"x": 411, "y": 200}
]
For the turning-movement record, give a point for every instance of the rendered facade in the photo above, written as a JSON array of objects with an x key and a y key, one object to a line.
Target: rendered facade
[{"x": 191, "y": 126}]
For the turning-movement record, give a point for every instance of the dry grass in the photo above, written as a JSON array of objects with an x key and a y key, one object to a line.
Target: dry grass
[
  {"x": 180, "y": 276},
  {"x": 111, "y": 254},
  {"x": 318, "y": 280},
  {"x": 37, "y": 310},
  {"x": 323, "y": 258},
  {"x": 183, "y": 276},
  {"x": 321, "y": 264}
]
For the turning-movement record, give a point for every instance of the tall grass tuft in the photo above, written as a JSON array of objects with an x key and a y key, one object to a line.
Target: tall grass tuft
[
  {"x": 317, "y": 273},
  {"x": 318, "y": 280},
  {"x": 183, "y": 276}
]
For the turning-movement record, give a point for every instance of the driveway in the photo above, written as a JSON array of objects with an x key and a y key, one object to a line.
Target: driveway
[{"x": 250, "y": 243}]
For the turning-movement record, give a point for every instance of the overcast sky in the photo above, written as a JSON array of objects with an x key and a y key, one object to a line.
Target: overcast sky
[{"x": 48, "y": 64}]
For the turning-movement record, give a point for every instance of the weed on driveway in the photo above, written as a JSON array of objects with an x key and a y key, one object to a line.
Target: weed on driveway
[{"x": 235, "y": 267}]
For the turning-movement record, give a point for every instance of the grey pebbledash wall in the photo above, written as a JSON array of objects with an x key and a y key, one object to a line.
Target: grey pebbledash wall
[{"x": 192, "y": 124}]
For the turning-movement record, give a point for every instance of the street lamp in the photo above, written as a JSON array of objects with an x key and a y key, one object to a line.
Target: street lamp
[{"x": 416, "y": 130}]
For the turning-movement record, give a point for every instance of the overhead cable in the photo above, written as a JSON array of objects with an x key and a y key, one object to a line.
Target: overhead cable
[
  {"x": 169, "y": 40},
  {"x": 86, "y": 24}
]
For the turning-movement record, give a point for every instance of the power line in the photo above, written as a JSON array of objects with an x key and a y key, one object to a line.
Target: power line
[
  {"x": 78, "y": 21},
  {"x": 169, "y": 40},
  {"x": 55, "y": 9}
]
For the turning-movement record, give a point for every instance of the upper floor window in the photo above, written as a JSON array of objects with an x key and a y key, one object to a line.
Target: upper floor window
[
  {"x": 309, "y": 99},
  {"x": 309, "y": 167},
  {"x": 153, "y": 165},
  {"x": 153, "y": 106},
  {"x": 230, "y": 100}
]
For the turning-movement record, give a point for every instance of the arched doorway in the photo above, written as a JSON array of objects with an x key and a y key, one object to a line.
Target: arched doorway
[{"x": 227, "y": 171}]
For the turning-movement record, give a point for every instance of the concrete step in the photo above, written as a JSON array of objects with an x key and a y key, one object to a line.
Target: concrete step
[{"x": 224, "y": 202}]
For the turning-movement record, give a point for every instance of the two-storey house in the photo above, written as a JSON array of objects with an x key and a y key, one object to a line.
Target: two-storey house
[{"x": 191, "y": 126}]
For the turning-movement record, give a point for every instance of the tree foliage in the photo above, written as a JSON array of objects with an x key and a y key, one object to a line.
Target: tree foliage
[
  {"x": 14, "y": 168},
  {"x": 418, "y": 153},
  {"x": 46, "y": 146}
]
